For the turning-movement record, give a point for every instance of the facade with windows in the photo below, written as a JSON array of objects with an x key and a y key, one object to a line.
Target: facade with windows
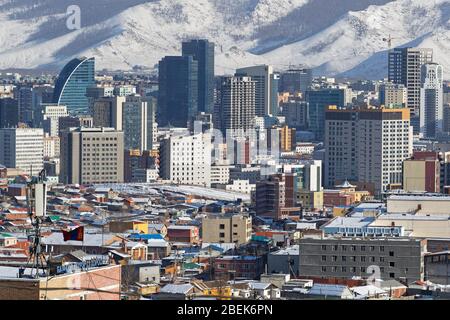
[
  {"x": 384, "y": 258},
  {"x": 72, "y": 84}
]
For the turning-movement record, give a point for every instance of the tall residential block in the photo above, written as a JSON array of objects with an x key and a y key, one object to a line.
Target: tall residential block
[
  {"x": 368, "y": 146},
  {"x": 22, "y": 148},
  {"x": 384, "y": 141},
  {"x": 236, "y": 104},
  {"x": 263, "y": 77},
  {"x": 340, "y": 146},
  {"x": 186, "y": 159},
  {"x": 404, "y": 67},
  {"x": 137, "y": 123},
  {"x": 393, "y": 95}
]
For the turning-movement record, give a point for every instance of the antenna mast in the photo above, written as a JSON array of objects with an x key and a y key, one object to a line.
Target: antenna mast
[{"x": 36, "y": 204}]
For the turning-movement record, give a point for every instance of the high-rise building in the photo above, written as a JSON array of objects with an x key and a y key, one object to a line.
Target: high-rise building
[
  {"x": 340, "y": 146},
  {"x": 295, "y": 113},
  {"x": 178, "y": 91},
  {"x": 296, "y": 81},
  {"x": 274, "y": 102},
  {"x": 186, "y": 159},
  {"x": 49, "y": 117},
  {"x": 51, "y": 146},
  {"x": 72, "y": 84},
  {"x": 22, "y": 148},
  {"x": 393, "y": 95},
  {"x": 405, "y": 68},
  {"x": 446, "y": 121},
  {"x": 74, "y": 122},
  {"x": 367, "y": 146},
  {"x": 319, "y": 101},
  {"x": 92, "y": 155},
  {"x": 9, "y": 113},
  {"x": 384, "y": 141},
  {"x": 137, "y": 123},
  {"x": 107, "y": 112},
  {"x": 96, "y": 92},
  {"x": 236, "y": 104},
  {"x": 263, "y": 77},
  {"x": 286, "y": 139},
  {"x": 431, "y": 101},
  {"x": 203, "y": 53}
]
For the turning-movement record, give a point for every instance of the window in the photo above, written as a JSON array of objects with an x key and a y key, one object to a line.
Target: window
[
  {"x": 222, "y": 226},
  {"x": 324, "y": 258},
  {"x": 391, "y": 253},
  {"x": 222, "y": 235},
  {"x": 334, "y": 258},
  {"x": 324, "y": 248},
  {"x": 324, "y": 269},
  {"x": 344, "y": 258},
  {"x": 392, "y": 275},
  {"x": 381, "y": 248},
  {"x": 391, "y": 264}
]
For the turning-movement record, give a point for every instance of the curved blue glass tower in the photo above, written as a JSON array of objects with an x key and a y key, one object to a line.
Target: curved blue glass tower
[{"x": 72, "y": 82}]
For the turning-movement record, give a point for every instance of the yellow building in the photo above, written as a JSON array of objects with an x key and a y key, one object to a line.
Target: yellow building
[
  {"x": 217, "y": 289},
  {"x": 124, "y": 226},
  {"x": 311, "y": 200}
]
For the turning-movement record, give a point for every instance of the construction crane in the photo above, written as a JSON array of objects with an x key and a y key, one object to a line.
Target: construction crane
[{"x": 389, "y": 41}]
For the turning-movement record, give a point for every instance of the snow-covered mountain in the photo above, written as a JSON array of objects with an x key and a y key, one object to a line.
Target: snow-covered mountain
[{"x": 337, "y": 37}]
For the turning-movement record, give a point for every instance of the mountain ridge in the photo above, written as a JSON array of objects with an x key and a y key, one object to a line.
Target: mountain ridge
[{"x": 336, "y": 37}]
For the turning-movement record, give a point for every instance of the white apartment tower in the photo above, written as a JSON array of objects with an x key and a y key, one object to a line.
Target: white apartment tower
[
  {"x": 368, "y": 146},
  {"x": 263, "y": 76},
  {"x": 384, "y": 141},
  {"x": 431, "y": 101},
  {"x": 22, "y": 148},
  {"x": 186, "y": 159},
  {"x": 237, "y": 104}
]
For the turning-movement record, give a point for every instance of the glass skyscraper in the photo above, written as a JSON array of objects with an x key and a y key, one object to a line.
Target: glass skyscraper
[
  {"x": 318, "y": 101},
  {"x": 178, "y": 91},
  {"x": 203, "y": 53},
  {"x": 72, "y": 82}
]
